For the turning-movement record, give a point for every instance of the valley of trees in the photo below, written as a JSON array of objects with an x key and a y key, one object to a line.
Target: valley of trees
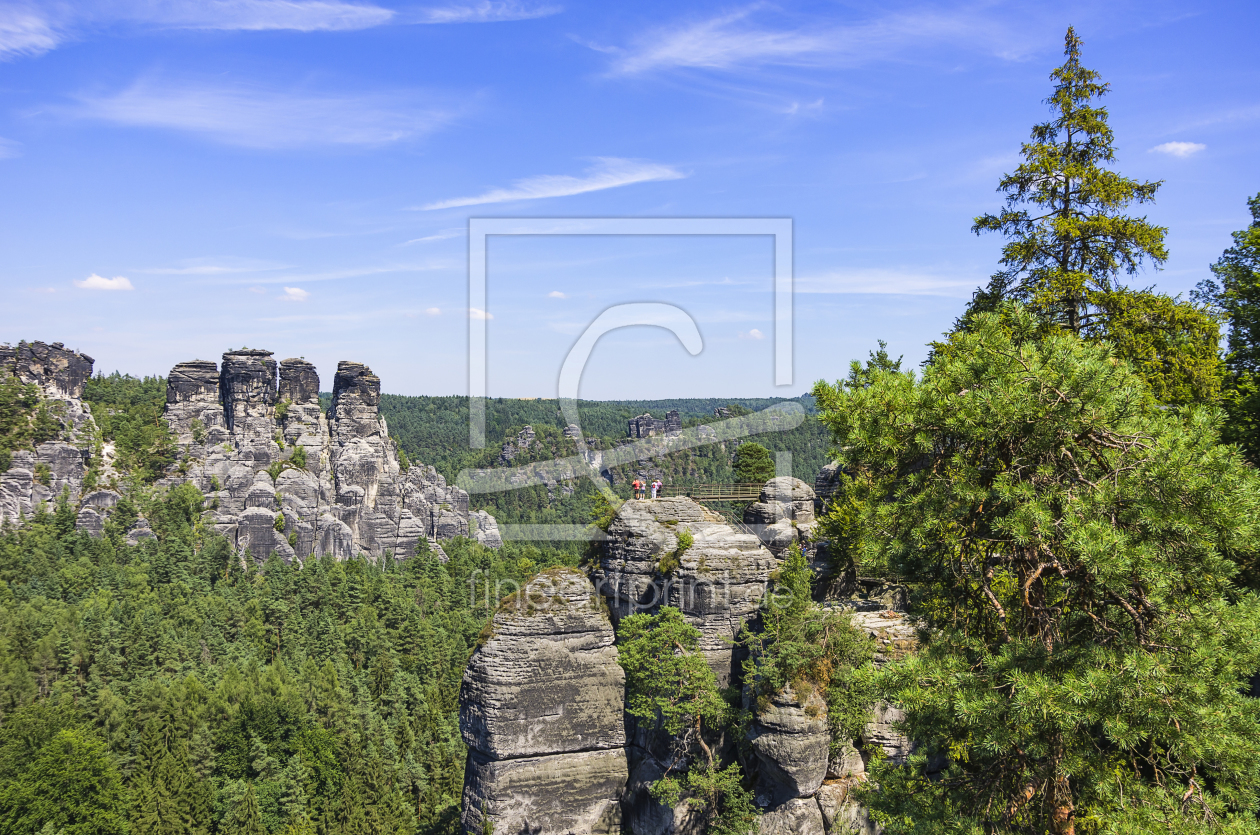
[{"x": 1067, "y": 491}]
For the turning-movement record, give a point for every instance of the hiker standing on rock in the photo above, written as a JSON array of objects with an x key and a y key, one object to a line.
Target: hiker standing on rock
[
  {"x": 636, "y": 485},
  {"x": 656, "y": 485}
]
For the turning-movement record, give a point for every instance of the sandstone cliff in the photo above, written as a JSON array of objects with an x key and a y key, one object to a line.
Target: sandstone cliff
[
  {"x": 279, "y": 474},
  {"x": 283, "y": 475},
  {"x": 541, "y": 712}
]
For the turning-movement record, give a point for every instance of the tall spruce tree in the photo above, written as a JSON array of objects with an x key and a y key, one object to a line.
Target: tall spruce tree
[
  {"x": 1073, "y": 548},
  {"x": 1069, "y": 242},
  {"x": 1068, "y": 250}
]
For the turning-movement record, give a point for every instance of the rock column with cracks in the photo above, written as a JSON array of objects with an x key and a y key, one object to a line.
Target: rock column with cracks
[{"x": 541, "y": 712}]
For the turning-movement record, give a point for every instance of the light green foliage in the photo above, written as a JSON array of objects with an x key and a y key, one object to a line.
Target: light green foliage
[
  {"x": 668, "y": 681},
  {"x": 128, "y": 411},
  {"x": 726, "y": 806},
  {"x": 753, "y": 463},
  {"x": 43, "y": 474},
  {"x": 330, "y": 691},
  {"x": 1234, "y": 291},
  {"x": 1071, "y": 544},
  {"x": 282, "y": 409},
  {"x": 669, "y": 563},
  {"x": 1073, "y": 242}
]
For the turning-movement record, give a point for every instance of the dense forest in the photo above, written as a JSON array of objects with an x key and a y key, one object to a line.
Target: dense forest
[{"x": 167, "y": 688}]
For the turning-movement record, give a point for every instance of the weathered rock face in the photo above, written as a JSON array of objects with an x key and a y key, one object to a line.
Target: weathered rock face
[
  {"x": 38, "y": 476},
  {"x": 335, "y": 484},
  {"x": 541, "y": 712},
  {"x": 790, "y": 742},
  {"x": 718, "y": 582},
  {"x": 783, "y": 513},
  {"x": 800, "y": 816}
]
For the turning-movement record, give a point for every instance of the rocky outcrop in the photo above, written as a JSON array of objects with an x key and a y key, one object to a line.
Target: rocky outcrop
[
  {"x": 38, "y": 476},
  {"x": 717, "y": 582},
  {"x": 541, "y": 713},
  {"x": 790, "y": 741},
  {"x": 783, "y": 514},
  {"x": 646, "y": 426},
  {"x": 826, "y": 483},
  {"x": 284, "y": 476}
]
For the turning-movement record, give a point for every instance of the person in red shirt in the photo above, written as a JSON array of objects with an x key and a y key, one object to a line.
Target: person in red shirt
[{"x": 637, "y": 486}]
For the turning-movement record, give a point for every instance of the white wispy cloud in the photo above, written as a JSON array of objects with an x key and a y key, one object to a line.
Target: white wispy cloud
[
  {"x": 752, "y": 334},
  {"x": 444, "y": 235},
  {"x": 485, "y": 11},
  {"x": 1178, "y": 149},
  {"x": 223, "y": 266},
  {"x": 737, "y": 40},
  {"x": 258, "y": 117},
  {"x": 96, "y": 282},
  {"x": 475, "y": 313},
  {"x": 887, "y": 282},
  {"x": 294, "y": 294},
  {"x": 556, "y": 294},
  {"x": 608, "y": 172},
  {"x": 33, "y": 28},
  {"x": 24, "y": 32},
  {"x": 259, "y": 15},
  {"x": 9, "y": 148},
  {"x": 433, "y": 311}
]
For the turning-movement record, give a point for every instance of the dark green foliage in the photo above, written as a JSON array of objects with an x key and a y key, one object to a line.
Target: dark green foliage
[
  {"x": 25, "y": 420},
  {"x": 1072, "y": 545},
  {"x": 128, "y": 411},
  {"x": 1235, "y": 293},
  {"x": 434, "y": 431},
  {"x": 669, "y": 682},
  {"x": 202, "y": 697},
  {"x": 71, "y": 783},
  {"x": 753, "y": 463}
]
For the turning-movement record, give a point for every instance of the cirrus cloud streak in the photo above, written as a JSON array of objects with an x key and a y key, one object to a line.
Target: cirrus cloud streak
[
  {"x": 608, "y": 172},
  {"x": 257, "y": 117}
]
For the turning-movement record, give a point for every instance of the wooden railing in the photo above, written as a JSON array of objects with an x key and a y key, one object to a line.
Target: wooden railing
[{"x": 742, "y": 492}]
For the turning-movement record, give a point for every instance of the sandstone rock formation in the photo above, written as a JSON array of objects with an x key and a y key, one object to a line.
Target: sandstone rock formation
[
  {"x": 790, "y": 742},
  {"x": 645, "y": 426},
  {"x": 783, "y": 513},
  {"x": 278, "y": 472},
  {"x": 282, "y": 475},
  {"x": 717, "y": 582},
  {"x": 39, "y": 476},
  {"x": 541, "y": 711}
]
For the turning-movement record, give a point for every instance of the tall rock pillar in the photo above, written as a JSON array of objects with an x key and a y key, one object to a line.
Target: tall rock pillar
[{"x": 541, "y": 711}]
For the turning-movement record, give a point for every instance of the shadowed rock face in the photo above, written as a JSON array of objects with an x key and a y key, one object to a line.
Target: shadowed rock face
[
  {"x": 248, "y": 385},
  {"x": 58, "y": 372},
  {"x": 299, "y": 382},
  {"x": 541, "y": 712}
]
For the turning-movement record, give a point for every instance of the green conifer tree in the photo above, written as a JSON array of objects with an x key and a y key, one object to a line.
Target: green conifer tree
[{"x": 1073, "y": 546}]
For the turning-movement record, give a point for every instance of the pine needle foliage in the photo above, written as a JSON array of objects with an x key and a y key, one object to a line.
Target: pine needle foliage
[{"x": 1073, "y": 546}]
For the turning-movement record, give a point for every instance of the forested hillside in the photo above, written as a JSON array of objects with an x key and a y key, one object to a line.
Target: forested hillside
[
  {"x": 434, "y": 430},
  {"x": 166, "y": 688}
]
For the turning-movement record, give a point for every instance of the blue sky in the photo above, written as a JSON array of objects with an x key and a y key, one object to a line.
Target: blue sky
[{"x": 178, "y": 178}]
